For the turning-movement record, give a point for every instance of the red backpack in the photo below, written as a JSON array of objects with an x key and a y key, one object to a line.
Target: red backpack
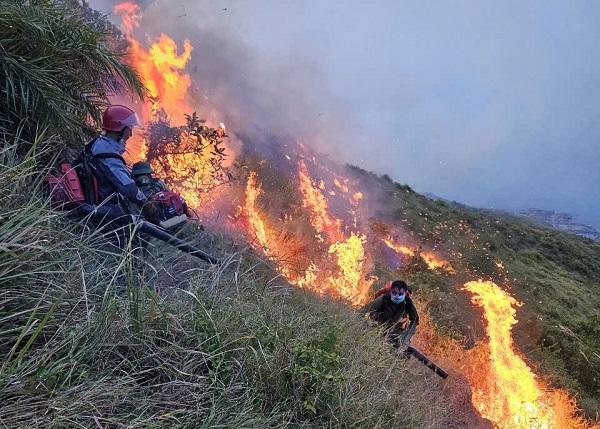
[
  {"x": 171, "y": 203},
  {"x": 65, "y": 188}
]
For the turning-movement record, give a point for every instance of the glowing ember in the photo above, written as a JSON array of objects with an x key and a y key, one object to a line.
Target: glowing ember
[
  {"x": 430, "y": 259},
  {"x": 220, "y": 131},
  {"x": 509, "y": 394},
  {"x": 340, "y": 185}
]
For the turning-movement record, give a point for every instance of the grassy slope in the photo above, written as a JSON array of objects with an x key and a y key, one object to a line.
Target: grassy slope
[
  {"x": 94, "y": 336},
  {"x": 556, "y": 275},
  {"x": 91, "y": 335}
]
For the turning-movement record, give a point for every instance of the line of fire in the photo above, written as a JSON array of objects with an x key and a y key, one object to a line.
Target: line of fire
[{"x": 313, "y": 220}]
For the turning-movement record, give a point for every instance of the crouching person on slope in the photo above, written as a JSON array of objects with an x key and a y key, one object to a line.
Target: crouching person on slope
[
  {"x": 115, "y": 187},
  {"x": 395, "y": 311},
  {"x": 141, "y": 173},
  {"x": 172, "y": 208}
]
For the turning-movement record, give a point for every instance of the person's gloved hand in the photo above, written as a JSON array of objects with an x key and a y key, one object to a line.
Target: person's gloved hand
[{"x": 149, "y": 210}]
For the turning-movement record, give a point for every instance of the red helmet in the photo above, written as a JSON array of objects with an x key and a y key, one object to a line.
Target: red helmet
[{"x": 117, "y": 117}]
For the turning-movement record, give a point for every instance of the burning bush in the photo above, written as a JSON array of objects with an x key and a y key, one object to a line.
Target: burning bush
[{"x": 191, "y": 157}]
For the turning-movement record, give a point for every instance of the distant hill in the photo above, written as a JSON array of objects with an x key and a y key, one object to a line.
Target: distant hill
[
  {"x": 561, "y": 221},
  {"x": 545, "y": 218}
]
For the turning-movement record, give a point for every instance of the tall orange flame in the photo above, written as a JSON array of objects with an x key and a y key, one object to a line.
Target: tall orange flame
[
  {"x": 313, "y": 199},
  {"x": 351, "y": 282},
  {"x": 339, "y": 275},
  {"x": 257, "y": 226},
  {"x": 130, "y": 15},
  {"x": 161, "y": 68},
  {"x": 509, "y": 395}
]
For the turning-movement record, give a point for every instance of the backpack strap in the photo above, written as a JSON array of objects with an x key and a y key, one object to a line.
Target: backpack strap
[
  {"x": 109, "y": 155},
  {"x": 85, "y": 169},
  {"x": 89, "y": 146}
]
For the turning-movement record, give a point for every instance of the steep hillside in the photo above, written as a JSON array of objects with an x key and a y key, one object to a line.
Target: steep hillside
[
  {"x": 554, "y": 274},
  {"x": 114, "y": 329}
]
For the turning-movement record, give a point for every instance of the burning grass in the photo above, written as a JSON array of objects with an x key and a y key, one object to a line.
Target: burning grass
[
  {"x": 553, "y": 273},
  {"x": 237, "y": 347},
  {"x": 150, "y": 340},
  {"x": 93, "y": 336}
]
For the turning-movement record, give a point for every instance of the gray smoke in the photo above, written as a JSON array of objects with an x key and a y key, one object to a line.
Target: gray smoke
[
  {"x": 490, "y": 105},
  {"x": 231, "y": 83}
]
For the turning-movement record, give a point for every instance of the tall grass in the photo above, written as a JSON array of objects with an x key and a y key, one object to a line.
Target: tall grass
[{"x": 94, "y": 335}]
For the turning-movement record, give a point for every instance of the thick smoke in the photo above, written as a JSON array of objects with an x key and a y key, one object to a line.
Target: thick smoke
[
  {"x": 253, "y": 95},
  {"x": 490, "y": 106}
]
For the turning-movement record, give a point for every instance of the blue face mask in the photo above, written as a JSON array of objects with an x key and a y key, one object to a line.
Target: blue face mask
[{"x": 397, "y": 299}]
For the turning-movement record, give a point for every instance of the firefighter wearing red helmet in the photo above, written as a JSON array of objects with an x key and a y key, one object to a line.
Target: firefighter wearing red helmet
[
  {"x": 116, "y": 118},
  {"x": 114, "y": 182}
]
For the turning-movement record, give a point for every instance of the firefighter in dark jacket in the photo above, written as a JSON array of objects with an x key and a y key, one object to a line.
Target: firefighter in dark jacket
[
  {"x": 396, "y": 312},
  {"x": 115, "y": 185},
  {"x": 141, "y": 173}
]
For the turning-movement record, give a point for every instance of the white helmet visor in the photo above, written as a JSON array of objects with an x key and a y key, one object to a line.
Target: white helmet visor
[{"x": 131, "y": 121}]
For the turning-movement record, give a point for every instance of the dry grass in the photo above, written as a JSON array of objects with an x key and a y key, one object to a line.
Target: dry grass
[{"x": 95, "y": 335}]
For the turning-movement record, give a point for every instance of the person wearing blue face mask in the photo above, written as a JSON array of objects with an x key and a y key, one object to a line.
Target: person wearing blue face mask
[{"x": 396, "y": 312}]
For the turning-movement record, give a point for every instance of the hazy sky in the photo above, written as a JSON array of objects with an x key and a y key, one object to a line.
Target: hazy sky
[{"x": 490, "y": 103}]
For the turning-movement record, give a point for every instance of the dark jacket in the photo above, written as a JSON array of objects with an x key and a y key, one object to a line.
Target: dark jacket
[
  {"x": 150, "y": 185},
  {"x": 385, "y": 312},
  {"x": 111, "y": 172}
]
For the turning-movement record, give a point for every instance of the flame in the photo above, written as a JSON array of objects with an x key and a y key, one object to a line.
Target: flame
[
  {"x": 340, "y": 185},
  {"x": 161, "y": 69},
  {"x": 508, "y": 394},
  {"x": 257, "y": 226},
  {"x": 339, "y": 272},
  {"x": 270, "y": 242},
  {"x": 314, "y": 200},
  {"x": 130, "y": 15},
  {"x": 351, "y": 283},
  {"x": 430, "y": 259},
  {"x": 220, "y": 131}
]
